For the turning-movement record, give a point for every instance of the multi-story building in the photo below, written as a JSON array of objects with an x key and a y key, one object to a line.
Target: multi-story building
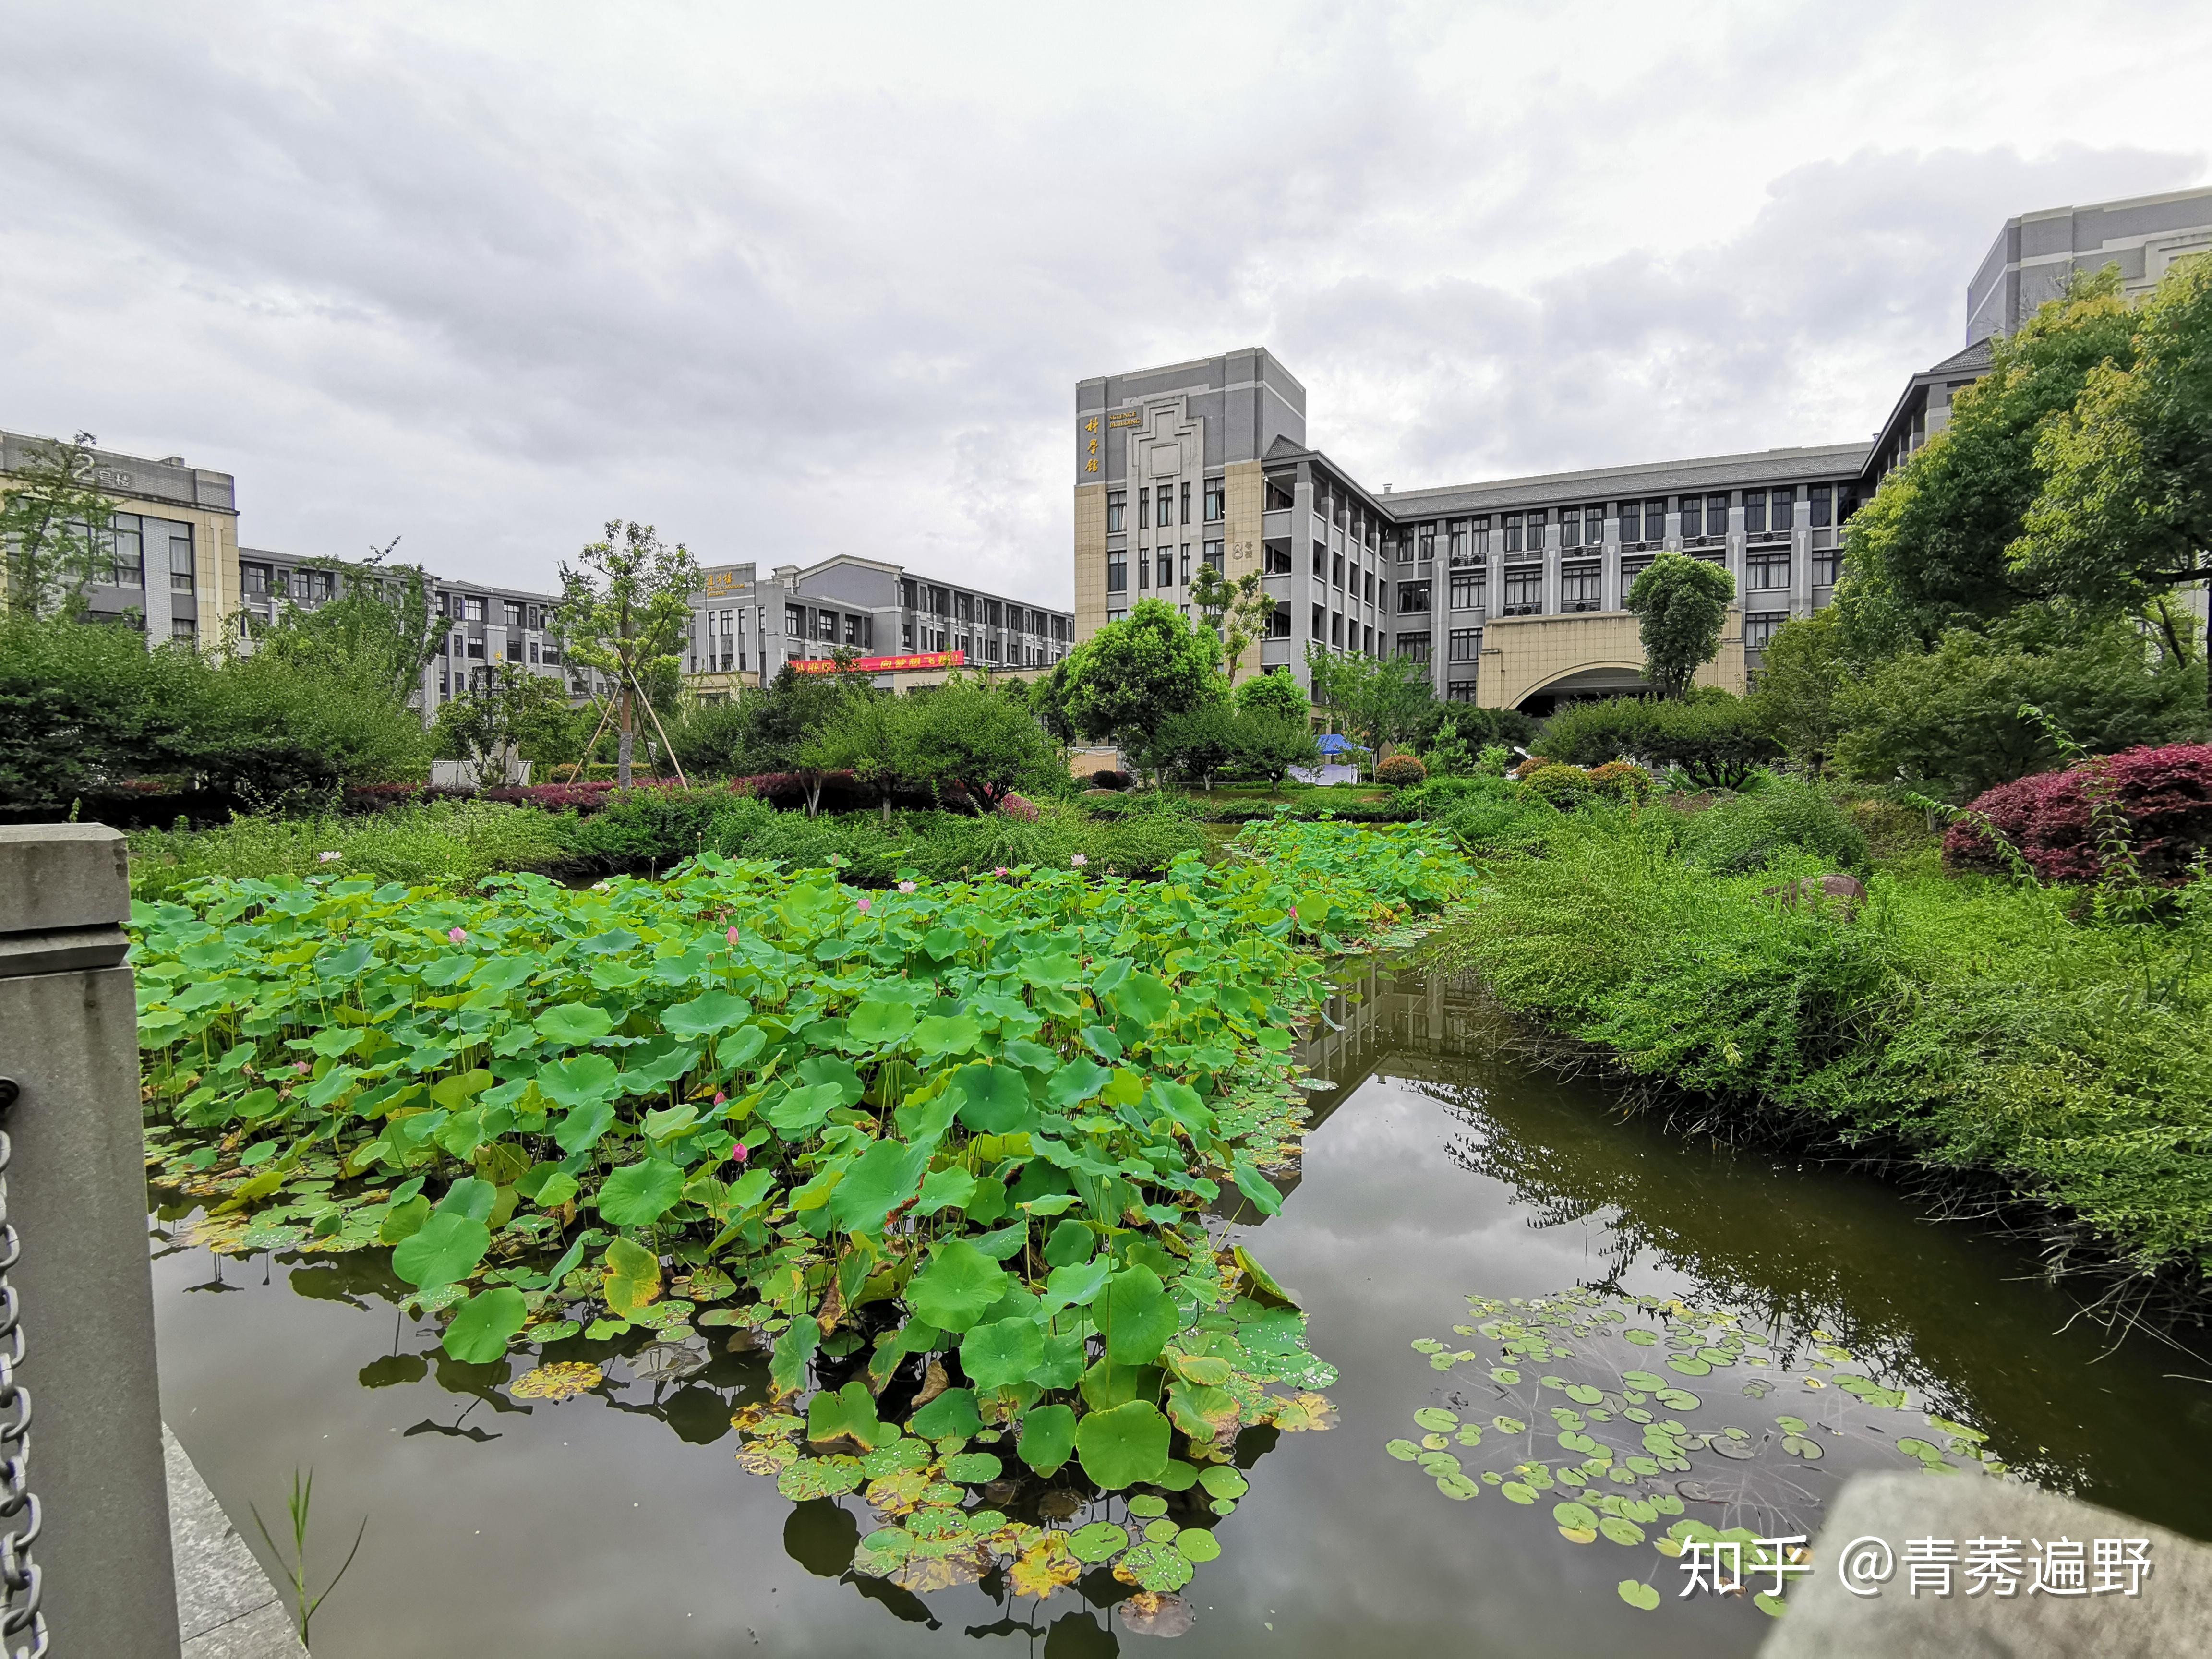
[
  {"x": 171, "y": 563},
  {"x": 2035, "y": 254},
  {"x": 910, "y": 629},
  {"x": 1514, "y": 591}
]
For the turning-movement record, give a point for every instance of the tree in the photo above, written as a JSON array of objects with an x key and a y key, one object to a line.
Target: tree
[
  {"x": 781, "y": 718},
  {"x": 2123, "y": 516},
  {"x": 1681, "y": 604},
  {"x": 1267, "y": 745},
  {"x": 1049, "y": 702},
  {"x": 55, "y": 530},
  {"x": 1274, "y": 692},
  {"x": 1376, "y": 700},
  {"x": 1195, "y": 742},
  {"x": 382, "y": 627},
  {"x": 979, "y": 739},
  {"x": 1950, "y": 720},
  {"x": 1712, "y": 737},
  {"x": 1804, "y": 666},
  {"x": 1131, "y": 675},
  {"x": 869, "y": 733},
  {"x": 624, "y": 611},
  {"x": 528, "y": 713},
  {"x": 1238, "y": 611},
  {"x": 1929, "y": 551}
]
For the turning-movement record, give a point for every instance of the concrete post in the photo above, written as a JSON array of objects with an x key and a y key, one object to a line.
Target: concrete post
[{"x": 77, "y": 1193}]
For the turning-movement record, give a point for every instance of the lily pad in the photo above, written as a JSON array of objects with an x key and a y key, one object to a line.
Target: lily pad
[
  {"x": 1102, "y": 1540},
  {"x": 1157, "y": 1567},
  {"x": 1197, "y": 1544},
  {"x": 1436, "y": 1419},
  {"x": 1637, "y": 1594}
]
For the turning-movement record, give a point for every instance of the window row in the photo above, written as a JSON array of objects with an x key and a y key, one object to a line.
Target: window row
[{"x": 1765, "y": 512}]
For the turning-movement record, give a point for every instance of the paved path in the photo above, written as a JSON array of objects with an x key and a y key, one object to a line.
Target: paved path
[{"x": 227, "y": 1608}]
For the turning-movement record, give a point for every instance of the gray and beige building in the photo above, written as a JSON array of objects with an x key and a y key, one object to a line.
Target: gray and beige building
[{"x": 1514, "y": 590}]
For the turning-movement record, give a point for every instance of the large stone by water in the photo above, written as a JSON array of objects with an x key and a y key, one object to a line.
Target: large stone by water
[{"x": 2171, "y": 1617}]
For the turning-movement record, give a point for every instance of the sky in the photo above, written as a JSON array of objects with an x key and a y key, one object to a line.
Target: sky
[{"x": 794, "y": 282}]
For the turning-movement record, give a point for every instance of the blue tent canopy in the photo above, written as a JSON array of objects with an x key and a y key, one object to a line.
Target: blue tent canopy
[{"x": 1336, "y": 744}]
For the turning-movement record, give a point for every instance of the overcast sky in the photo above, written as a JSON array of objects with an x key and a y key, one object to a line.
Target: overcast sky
[{"x": 790, "y": 281}]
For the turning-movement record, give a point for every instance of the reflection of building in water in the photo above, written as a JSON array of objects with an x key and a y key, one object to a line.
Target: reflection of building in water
[{"x": 1379, "y": 1009}]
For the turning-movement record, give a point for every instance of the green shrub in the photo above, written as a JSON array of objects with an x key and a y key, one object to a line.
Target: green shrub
[
  {"x": 1714, "y": 738},
  {"x": 1400, "y": 772},
  {"x": 1750, "y": 831},
  {"x": 1620, "y": 780},
  {"x": 1563, "y": 787}
]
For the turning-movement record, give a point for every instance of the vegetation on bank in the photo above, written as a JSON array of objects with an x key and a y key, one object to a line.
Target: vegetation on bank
[{"x": 945, "y": 1149}]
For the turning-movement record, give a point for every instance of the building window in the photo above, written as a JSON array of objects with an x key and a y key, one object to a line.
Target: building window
[
  {"x": 853, "y": 626},
  {"x": 1582, "y": 526},
  {"x": 1758, "y": 629},
  {"x": 1336, "y": 629},
  {"x": 1466, "y": 593},
  {"x": 1821, "y": 507},
  {"x": 1117, "y": 616},
  {"x": 1827, "y": 565},
  {"x": 1316, "y": 622},
  {"x": 1217, "y": 501},
  {"x": 1464, "y": 645},
  {"x": 1693, "y": 518},
  {"x": 1367, "y": 588},
  {"x": 1336, "y": 570},
  {"x": 1754, "y": 513},
  {"x": 183, "y": 628},
  {"x": 1167, "y": 567},
  {"x": 1460, "y": 691},
  {"x": 1144, "y": 571},
  {"x": 180, "y": 559},
  {"x": 1166, "y": 502},
  {"x": 1282, "y": 492},
  {"x": 1412, "y": 597},
  {"x": 1513, "y": 533},
  {"x": 1415, "y": 645},
  {"x": 1716, "y": 515},
  {"x": 1524, "y": 591},
  {"x": 1117, "y": 507},
  {"x": 126, "y": 552},
  {"x": 1581, "y": 586},
  {"x": 1426, "y": 536},
  {"x": 1781, "y": 511},
  {"x": 1630, "y": 570},
  {"x": 476, "y": 649},
  {"x": 1279, "y": 622},
  {"x": 1216, "y": 556},
  {"x": 1117, "y": 574},
  {"x": 794, "y": 620},
  {"x": 254, "y": 579},
  {"x": 1279, "y": 559},
  {"x": 1766, "y": 570},
  {"x": 1186, "y": 503},
  {"x": 1457, "y": 542}
]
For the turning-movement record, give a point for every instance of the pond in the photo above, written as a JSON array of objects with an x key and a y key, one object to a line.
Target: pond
[{"x": 1440, "y": 1167}]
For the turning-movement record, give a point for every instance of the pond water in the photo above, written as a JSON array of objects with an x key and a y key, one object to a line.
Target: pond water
[{"x": 1440, "y": 1166}]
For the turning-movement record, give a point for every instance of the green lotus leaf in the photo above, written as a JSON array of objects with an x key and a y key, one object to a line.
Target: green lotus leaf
[
  {"x": 443, "y": 1250},
  {"x": 879, "y": 1024},
  {"x": 1517, "y": 1491},
  {"x": 818, "y": 1477},
  {"x": 1047, "y": 1439},
  {"x": 1002, "y": 1352},
  {"x": 639, "y": 1194},
  {"x": 1157, "y": 1566},
  {"x": 850, "y": 1412},
  {"x": 703, "y": 1015},
  {"x": 578, "y": 1081},
  {"x": 1197, "y": 1544},
  {"x": 1138, "y": 1316},
  {"x": 947, "y": 1034},
  {"x": 951, "y": 1414},
  {"x": 1076, "y": 1285},
  {"x": 1220, "y": 1481},
  {"x": 1123, "y": 1446},
  {"x": 1458, "y": 1486},
  {"x": 794, "y": 1350},
  {"x": 1102, "y": 1540},
  {"x": 1688, "y": 1364},
  {"x": 1579, "y": 1516},
  {"x": 879, "y": 1181},
  {"x": 803, "y": 1110},
  {"x": 1077, "y": 1081},
  {"x": 486, "y": 1323},
  {"x": 992, "y": 1099},
  {"x": 1637, "y": 1594},
  {"x": 573, "y": 1023},
  {"x": 958, "y": 1287},
  {"x": 1620, "y": 1530},
  {"x": 1148, "y": 1506},
  {"x": 1582, "y": 1394},
  {"x": 1436, "y": 1419}
]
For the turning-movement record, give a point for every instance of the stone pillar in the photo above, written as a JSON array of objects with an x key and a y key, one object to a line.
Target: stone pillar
[{"x": 76, "y": 1196}]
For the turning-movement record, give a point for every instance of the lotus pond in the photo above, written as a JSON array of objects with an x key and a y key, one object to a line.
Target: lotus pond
[{"x": 947, "y": 1271}]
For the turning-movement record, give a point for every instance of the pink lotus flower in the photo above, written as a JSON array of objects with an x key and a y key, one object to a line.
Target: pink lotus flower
[
  {"x": 739, "y": 1153},
  {"x": 328, "y": 858},
  {"x": 999, "y": 871},
  {"x": 906, "y": 887},
  {"x": 300, "y": 1066},
  {"x": 457, "y": 936},
  {"x": 733, "y": 936},
  {"x": 1079, "y": 860},
  {"x": 720, "y": 1098},
  {"x": 863, "y": 905},
  {"x": 1294, "y": 913}
]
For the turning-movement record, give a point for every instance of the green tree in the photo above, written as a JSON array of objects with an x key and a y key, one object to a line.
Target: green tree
[
  {"x": 1681, "y": 604},
  {"x": 1929, "y": 551},
  {"x": 381, "y": 628},
  {"x": 527, "y": 711},
  {"x": 780, "y": 720},
  {"x": 1948, "y": 720},
  {"x": 1376, "y": 699},
  {"x": 1131, "y": 675},
  {"x": 55, "y": 530},
  {"x": 1274, "y": 692},
  {"x": 1712, "y": 737},
  {"x": 2123, "y": 516},
  {"x": 1803, "y": 667},
  {"x": 982, "y": 739},
  {"x": 869, "y": 733},
  {"x": 1266, "y": 746},
  {"x": 1194, "y": 744},
  {"x": 1238, "y": 611},
  {"x": 624, "y": 611},
  {"x": 1049, "y": 702}
]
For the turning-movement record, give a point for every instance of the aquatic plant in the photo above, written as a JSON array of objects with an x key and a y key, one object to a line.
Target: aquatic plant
[
  {"x": 1617, "y": 1414},
  {"x": 945, "y": 1153}
]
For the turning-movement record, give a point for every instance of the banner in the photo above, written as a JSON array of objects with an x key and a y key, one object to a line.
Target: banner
[{"x": 885, "y": 665}]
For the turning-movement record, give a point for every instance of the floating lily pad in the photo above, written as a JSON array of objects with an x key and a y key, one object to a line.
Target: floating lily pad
[
  {"x": 973, "y": 1468},
  {"x": 1458, "y": 1486},
  {"x": 818, "y": 1477},
  {"x": 1223, "y": 1481},
  {"x": 1102, "y": 1540},
  {"x": 1197, "y": 1544},
  {"x": 564, "y": 1381},
  {"x": 1160, "y": 1568},
  {"x": 1436, "y": 1419},
  {"x": 1620, "y": 1530},
  {"x": 1404, "y": 1451},
  {"x": 1637, "y": 1594},
  {"x": 1162, "y": 1531}
]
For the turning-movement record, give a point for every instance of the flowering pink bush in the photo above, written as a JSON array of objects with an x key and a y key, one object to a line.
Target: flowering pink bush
[{"x": 2165, "y": 794}]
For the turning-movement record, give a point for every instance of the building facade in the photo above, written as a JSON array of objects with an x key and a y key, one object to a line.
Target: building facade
[
  {"x": 2035, "y": 255},
  {"x": 1514, "y": 591},
  {"x": 744, "y": 626},
  {"x": 173, "y": 552}
]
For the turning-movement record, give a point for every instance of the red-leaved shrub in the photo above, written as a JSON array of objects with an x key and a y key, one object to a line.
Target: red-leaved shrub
[{"x": 2164, "y": 792}]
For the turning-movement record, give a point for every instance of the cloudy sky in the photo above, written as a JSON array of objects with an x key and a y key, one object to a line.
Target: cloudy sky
[{"x": 789, "y": 282}]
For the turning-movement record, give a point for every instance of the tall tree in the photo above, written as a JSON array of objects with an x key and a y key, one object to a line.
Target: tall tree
[
  {"x": 1274, "y": 693},
  {"x": 980, "y": 739},
  {"x": 1929, "y": 551},
  {"x": 1802, "y": 669},
  {"x": 55, "y": 532},
  {"x": 528, "y": 713},
  {"x": 381, "y": 628},
  {"x": 2123, "y": 514},
  {"x": 624, "y": 611},
  {"x": 867, "y": 732},
  {"x": 1377, "y": 699},
  {"x": 1238, "y": 611},
  {"x": 1131, "y": 675},
  {"x": 1681, "y": 604}
]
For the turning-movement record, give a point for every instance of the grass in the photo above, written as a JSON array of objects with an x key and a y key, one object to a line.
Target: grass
[{"x": 1962, "y": 1024}]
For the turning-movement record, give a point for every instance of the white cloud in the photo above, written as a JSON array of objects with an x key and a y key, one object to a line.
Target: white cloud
[{"x": 491, "y": 276}]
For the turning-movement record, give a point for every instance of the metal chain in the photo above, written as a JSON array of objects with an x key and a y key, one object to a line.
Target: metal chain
[{"x": 19, "y": 1573}]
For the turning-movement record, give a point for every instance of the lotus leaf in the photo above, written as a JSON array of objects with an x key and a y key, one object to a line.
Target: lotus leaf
[
  {"x": 818, "y": 1477},
  {"x": 957, "y": 1287},
  {"x": 638, "y": 1194},
  {"x": 1102, "y": 1540},
  {"x": 952, "y": 1413},
  {"x": 1045, "y": 1566},
  {"x": 973, "y": 1468},
  {"x": 1436, "y": 1419},
  {"x": 1123, "y": 1445},
  {"x": 703, "y": 1015},
  {"x": 1197, "y": 1544},
  {"x": 1637, "y": 1594},
  {"x": 487, "y": 1321},
  {"x": 1156, "y": 1567},
  {"x": 1002, "y": 1352},
  {"x": 1137, "y": 1317},
  {"x": 573, "y": 1024},
  {"x": 444, "y": 1250}
]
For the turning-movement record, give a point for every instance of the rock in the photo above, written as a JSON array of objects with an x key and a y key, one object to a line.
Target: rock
[{"x": 1846, "y": 891}]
